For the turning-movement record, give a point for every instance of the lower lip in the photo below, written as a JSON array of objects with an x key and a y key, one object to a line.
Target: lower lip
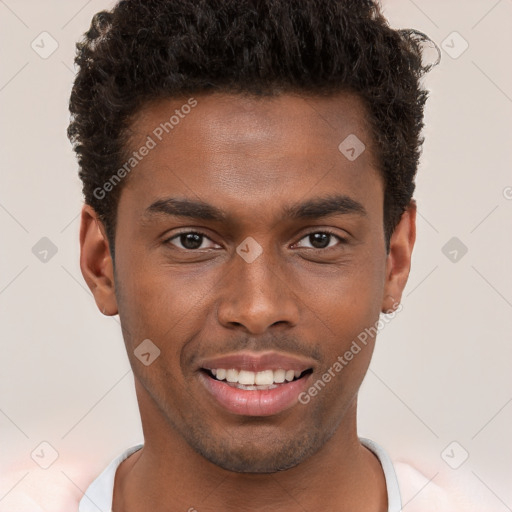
[{"x": 255, "y": 402}]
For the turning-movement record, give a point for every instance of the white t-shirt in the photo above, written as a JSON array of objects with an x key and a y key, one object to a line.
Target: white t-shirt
[{"x": 98, "y": 496}]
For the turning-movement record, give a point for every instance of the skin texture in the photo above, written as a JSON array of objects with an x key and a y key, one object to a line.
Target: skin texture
[{"x": 250, "y": 157}]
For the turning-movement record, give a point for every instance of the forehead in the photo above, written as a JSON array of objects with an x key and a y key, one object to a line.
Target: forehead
[
  {"x": 254, "y": 151},
  {"x": 234, "y": 121}
]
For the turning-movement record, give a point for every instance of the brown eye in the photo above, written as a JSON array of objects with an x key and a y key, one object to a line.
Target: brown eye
[
  {"x": 189, "y": 240},
  {"x": 321, "y": 240}
]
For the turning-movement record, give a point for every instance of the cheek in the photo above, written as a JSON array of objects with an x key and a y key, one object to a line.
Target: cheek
[
  {"x": 351, "y": 309},
  {"x": 349, "y": 305},
  {"x": 349, "y": 297},
  {"x": 159, "y": 302}
]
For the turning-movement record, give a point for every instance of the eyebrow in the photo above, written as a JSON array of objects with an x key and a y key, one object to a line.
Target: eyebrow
[{"x": 314, "y": 208}]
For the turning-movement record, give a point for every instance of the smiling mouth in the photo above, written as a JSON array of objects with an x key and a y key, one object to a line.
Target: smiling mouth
[{"x": 255, "y": 381}]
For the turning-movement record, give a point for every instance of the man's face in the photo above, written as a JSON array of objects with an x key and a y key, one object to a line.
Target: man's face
[{"x": 269, "y": 286}]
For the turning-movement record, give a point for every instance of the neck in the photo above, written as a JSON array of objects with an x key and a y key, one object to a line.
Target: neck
[{"x": 168, "y": 475}]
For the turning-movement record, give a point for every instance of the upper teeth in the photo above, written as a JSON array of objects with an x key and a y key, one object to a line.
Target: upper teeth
[{"x": 263, "y": 378}]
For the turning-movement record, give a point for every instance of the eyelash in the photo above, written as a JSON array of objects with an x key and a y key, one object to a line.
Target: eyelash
[{"x": 340, "y": 239}]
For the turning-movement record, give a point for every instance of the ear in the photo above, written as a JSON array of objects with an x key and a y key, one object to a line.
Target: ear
[
  {"x": 398, "y": 263},
  {"x": 96, "y": 261}
]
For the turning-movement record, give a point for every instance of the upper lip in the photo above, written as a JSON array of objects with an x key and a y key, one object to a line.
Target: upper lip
[{"x": 257, "y": 362}]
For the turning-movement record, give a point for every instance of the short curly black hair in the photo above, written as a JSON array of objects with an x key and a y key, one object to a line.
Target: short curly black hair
[{"x": 144, "y": 50}]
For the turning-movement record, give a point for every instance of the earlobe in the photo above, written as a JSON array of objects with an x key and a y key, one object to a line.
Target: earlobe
[
  {"x": 390, "y": 304},
  {"x": 398, "y": 262},
  {"x": 96, "y": 261}
]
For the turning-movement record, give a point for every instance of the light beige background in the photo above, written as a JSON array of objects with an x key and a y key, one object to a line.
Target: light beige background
[{"x": 441, "y": 370}]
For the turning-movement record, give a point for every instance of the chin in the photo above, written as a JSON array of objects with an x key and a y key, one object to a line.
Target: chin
[{"x": 267, "y": 456}]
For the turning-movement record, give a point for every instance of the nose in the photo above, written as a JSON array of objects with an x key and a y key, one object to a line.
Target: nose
[{"x": 256, "y": 296}]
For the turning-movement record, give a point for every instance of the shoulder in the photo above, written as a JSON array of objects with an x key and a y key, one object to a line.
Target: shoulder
[
  {"x": 32, "y": 489},
  {"x": 440, "y": 489}
]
